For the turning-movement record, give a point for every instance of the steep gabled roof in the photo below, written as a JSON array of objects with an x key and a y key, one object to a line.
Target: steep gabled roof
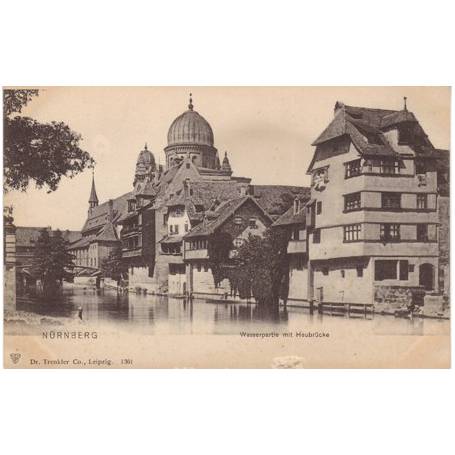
[
  {"x": 99, "y": 214},
  {"x": 276, "y": 199},
  {"x": 289, "y": 217},
  {"x": 107, "y": 234},
  {"x": 365, "y": 127},
  {"x": 222, "y": 213}
]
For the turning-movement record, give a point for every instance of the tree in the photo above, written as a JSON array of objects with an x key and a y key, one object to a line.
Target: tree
[
  {"x": 52, "y": 262},
  {"x": 34, "y": 151},
  {"x": 113, "y": 266},
  {"x": 219, "y": 246},
  {"x": 262, "y": 264}
]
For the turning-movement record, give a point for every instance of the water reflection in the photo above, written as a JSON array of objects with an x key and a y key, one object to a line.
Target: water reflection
[{"x": 159, "y": 314}]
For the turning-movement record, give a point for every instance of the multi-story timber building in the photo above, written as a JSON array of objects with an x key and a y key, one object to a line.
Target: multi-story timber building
[{"x": 372, "y": 220}]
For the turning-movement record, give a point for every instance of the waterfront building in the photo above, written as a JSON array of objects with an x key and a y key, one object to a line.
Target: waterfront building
[
  {"x": 294, "y": 222},
  {"x": 237, "y": 219},
  {"x": 372, "y": 220}
]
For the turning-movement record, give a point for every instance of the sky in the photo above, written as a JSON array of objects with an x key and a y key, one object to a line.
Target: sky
[{"x": 267, "y": 132}]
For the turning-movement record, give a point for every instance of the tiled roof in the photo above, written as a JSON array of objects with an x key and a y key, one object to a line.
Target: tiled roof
[
  {"x": 107, "y": 234},
  {"x": 289, "y": 217},
  {"x": 71, "y": 236},
  {"x": 365, "y": 127},
  {"x": 28, "y": 236},
  {"x": 99, "y": 214},
  {"x": 214, "y": 219},
  {"x": 276, "y": 199},
  {"x": 83, "y": 242}
]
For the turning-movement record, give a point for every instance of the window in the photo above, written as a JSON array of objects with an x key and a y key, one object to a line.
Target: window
[
  {"x": 343, "y": 273},
  {"x": 385, "y": 270},
  {"x": 176, "y": 229},
  {"x": 422, "y": 233},
  {"x": 198, "y": 266},
  {"x": 390, "y": 232},
  {"x": 352, "y": 201},
  {"x": 171, "y": 229},
  {"x": 352, "y": 232},
  {"x": 238, "y": 220},
  {"x": 317, "y": 236},
  {"x": 360, "y": 271},
  {"x": 352, "y": 168},
  {"x": 151, "y": 269},
  {"x": 390, "y": 167},
  {"x": 296, "y": 234},
  {"x": 252, "y": 223},
  {"x": 186, "y": 227},
  {"x": 391, "y": 200},
  {"x": 188, "y": 165},
  {"x": 421, "y": 201},
  {"x": 206, "y": 268},
  {"x": 404, "y": 270},
  {"x": 165, "y": 219},
  {"x": 318, "y": 208},
  {"x": 325, "y": 271}
]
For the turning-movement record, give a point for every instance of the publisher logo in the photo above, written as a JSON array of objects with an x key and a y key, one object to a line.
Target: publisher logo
[{"x": 15, "y": 357}]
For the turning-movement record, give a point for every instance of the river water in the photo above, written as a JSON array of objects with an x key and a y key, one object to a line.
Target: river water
[{"x": 164, "y": 315}]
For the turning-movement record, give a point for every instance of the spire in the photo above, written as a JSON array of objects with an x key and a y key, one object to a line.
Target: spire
[
  {"x": 405, "y": 98},
  {"x": 226, "y": 166},
  {"x": 145, "y": 146},
  {"x": 93, "y": 200},
  {"x": 190, "y": 105}
]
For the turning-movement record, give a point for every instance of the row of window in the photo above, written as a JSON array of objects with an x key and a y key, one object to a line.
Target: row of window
[
  {"x": 389, "y": 232},
  {"x": 383, "y": 270},
  {"x": 388, "y": 201},
  {"x": 131, "y": 243},
  {"x": 198, "y": 244},
  {"x": 386, "y": 167},
  {"x": 171, "y": 248},
  {"x": 252, "y": 222}
]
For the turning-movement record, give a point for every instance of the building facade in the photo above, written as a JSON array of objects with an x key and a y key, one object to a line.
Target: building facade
[{"x": 372, "y": 220}]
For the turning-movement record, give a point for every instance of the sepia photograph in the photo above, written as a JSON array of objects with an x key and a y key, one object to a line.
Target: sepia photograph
[{"x": 226, "y": 227}]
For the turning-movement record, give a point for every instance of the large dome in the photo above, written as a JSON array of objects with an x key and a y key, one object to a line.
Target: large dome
[{"x": 190, "y": 128}]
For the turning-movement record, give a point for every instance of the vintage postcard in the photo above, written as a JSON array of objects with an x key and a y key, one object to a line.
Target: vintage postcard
[{"x": 226, "y": 227}]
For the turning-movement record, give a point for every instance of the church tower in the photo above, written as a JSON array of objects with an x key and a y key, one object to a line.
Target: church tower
[{"x": 93, "y": 199}]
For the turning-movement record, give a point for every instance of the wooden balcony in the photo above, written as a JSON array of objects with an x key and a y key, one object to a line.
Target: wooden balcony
[
  {"x": 131, "y": 253},
  {"x": 297, "y": 247},
  {"x": 196, "y": 254}
]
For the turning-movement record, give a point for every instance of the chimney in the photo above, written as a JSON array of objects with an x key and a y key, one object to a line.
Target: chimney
[
  {"x": 338, "y": 105},
  {"x": 110, "y": 210},
  {"x": 186, "y": 188}
]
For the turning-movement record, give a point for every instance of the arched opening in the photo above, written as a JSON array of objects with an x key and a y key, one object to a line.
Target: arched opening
[{"x": 426, "y": 276}]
